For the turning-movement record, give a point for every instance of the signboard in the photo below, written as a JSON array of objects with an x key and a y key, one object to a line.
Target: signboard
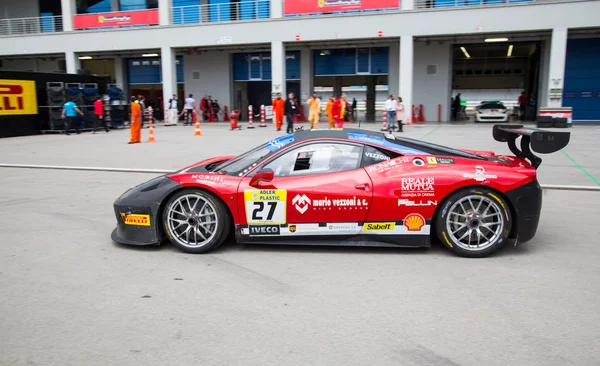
[
  {"x": 269, "y": 112},
  {"x": 115, "y": 19},
  {"x": 328, "y": 6},
  {"x": 562, "y": 112},
  {"x": 18, "y": 97}
]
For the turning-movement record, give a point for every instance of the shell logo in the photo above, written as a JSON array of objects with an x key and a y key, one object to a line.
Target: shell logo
[
  {"x": 101, "y": 19},
  {"x": 321, "y": 3},
  {"x": 414, "y": 222}
]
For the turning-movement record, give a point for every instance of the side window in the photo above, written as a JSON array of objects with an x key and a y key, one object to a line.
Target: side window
[
  {"x": 372, "y": 156},
  {"x": 316, "y": 159}
]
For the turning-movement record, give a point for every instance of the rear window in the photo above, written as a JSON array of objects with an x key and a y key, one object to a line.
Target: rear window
[{"x": 492, "y": 106}]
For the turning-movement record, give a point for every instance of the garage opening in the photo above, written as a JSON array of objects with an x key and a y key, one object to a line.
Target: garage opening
[{"x": 497, "y": 71}]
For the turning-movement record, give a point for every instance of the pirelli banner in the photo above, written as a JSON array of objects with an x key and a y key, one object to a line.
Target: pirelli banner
[{"x": 18, "y": 97}]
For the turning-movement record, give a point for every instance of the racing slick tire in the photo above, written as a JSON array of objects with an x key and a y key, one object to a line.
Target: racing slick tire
[
  {"x": 196, "y": 221},
  {"x": 474, "y": 222}
]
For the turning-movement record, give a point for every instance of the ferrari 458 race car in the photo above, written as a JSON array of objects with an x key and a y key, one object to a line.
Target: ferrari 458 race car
[{"x": 347, "y": 187}]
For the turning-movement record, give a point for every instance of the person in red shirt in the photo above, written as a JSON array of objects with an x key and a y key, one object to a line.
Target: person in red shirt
[
  {"x": 99, "y": 113},
  {"x": 522, "y": 105},
  {"x": 340, "y": 108}
]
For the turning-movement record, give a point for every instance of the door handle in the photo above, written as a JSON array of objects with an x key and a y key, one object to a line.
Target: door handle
[{"x": 363, "y": 187}]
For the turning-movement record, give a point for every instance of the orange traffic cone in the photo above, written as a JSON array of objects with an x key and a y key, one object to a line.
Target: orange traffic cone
[
  {"x": 198, "y": 133},
  {"x": 151, "y": 133},
  {"x": 385, "y": 126}
]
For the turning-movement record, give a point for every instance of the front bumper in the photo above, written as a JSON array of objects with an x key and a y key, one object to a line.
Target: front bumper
[
  {"x": 527, "y": 204},
  {"x": 138, "y": 212},
  {"x": 488, "y": 118}
]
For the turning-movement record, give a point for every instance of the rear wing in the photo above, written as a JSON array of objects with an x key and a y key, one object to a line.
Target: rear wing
[{"x": 532, "y": 140}]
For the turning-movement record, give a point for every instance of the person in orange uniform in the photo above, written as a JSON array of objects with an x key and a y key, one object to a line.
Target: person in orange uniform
[
  {"x": 278, "y": 104},
  {"x": 329, "y": 110},
  {"x": 339, "y": 110},
  {"x": 136, "y": 122},
  {"x": 314, "y": 111}
]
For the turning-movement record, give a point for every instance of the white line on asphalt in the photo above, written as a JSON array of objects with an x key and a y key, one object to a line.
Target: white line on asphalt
[{"x": 552, "y": 187}]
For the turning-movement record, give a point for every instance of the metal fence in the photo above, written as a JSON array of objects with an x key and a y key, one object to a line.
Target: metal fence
[
  {"x": 224, "y": 12},
  {"x": 43, "y": 24}
]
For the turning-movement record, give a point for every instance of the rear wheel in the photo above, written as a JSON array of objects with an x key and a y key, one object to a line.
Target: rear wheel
[
  {"x": 474, "y": 222},
  {"x": 196, "y": 221}
]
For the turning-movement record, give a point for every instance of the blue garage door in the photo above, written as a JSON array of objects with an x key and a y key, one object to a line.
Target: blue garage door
[
  {"x": 351, "y": 61},
  {"x": 257, "y": 66},
  {"x": 147, "y": 70},
  {"x": 582, "y": 78}
]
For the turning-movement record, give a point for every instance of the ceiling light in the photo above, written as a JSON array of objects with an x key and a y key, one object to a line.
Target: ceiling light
[
  {"x": 150, "y": 55},
  {"x": 464, "y": 50},
  {"x": 509, "y": 53},
  {"x": 496, "y": 39},
  {"x": 85, "y": 57}
]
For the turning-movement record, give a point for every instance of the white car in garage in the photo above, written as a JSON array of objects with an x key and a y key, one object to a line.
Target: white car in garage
[{"x": 493, "y": 111}]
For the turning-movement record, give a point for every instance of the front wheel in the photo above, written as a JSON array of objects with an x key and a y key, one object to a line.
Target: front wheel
[
  {"x": 474, "y": 222},
  {"x": 196, "y": 221}
]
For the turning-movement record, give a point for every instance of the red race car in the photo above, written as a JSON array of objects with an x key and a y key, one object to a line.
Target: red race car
[{"x": 347, "y": 187}]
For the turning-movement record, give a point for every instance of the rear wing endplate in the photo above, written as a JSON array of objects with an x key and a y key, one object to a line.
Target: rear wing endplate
[{"x": 532, "y": 140}]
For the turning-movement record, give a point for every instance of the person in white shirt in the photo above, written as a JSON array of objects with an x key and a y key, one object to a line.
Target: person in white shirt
[
  {"x": 390, "y": 108},
  {"x": 190, "y": 104},
  {"x": 173, "y": 117}
]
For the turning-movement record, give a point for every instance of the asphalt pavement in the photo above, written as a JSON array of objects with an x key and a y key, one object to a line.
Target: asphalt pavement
[{"x": 70, "y": 296}]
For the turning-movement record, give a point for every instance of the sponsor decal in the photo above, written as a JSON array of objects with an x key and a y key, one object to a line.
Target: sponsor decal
[
  {"x": 301, "y": 203},
  {"x": 292, "y": 228},
  {"x": 377, "y": 156},
  {"x": 379, "y": 226},
  {"x": 341, "y": 203},
  {"x": 18, "y": 97},
  {"x": 380, "y": 141},
  {"x": 264, "y": 230},
  {"x": 387, "y": 164},
  {"x": 265, "y": 206},
  {"x": 480, "y": 174},
  {"x": 434, "y": 160},
  {"x": 414, "y": 222},
  {"x": 115, "y": 19},
  {"x": 409, "y": 203},
  {"x": 280, "y": 142},
  {"x": 136, "y": 219},
  {"x": 343, "y": 226},
  {"x": 310, "y": 6},
  {"x": 298, "y": 228},
  {"x": 417, "y": 187},
  {"x": 207, "y": 178}
]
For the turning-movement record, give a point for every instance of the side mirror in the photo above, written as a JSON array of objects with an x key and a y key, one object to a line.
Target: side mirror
[{"x": 265, "y": 175}]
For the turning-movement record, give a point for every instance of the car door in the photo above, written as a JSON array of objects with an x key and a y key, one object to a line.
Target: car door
[{"x": 318, "y": 188}]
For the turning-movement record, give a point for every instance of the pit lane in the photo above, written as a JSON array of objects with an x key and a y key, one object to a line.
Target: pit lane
[{"x": 71, "y": 296}]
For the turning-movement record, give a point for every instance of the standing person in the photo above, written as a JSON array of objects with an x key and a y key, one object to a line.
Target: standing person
[
  {"x": 340, "y": 107},
  {"x": 456, "y": 107},
  {"x": 522, "y": 105},
  {"x": 278, "y": 107},
  {"x": 70, "y": 111},
  {"x": 390, "y": 109},
  {"x": 291, "y": 108},
  {"x": 136, "y": 122},
  {"x": 329, "y": 110},
  {"x": 190, "y": 104},
  {"x": 143, "y": 106},
  {"x": 173, "y": 117},
  {"x": 99, "y": 114},
  {"x": 203, "y": 108},
  {"x": 209, "y": 107},
  {"x": 354, "y": 105},
  {"x": 314, "y": 111},
  {"x": 216, "y": 110},
  {"x": 399, "y": 113}
]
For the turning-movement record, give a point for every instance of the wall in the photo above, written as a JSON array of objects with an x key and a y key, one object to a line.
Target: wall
[
  {"x": 582, "y": 78},
  {"x": 37, "y": 65},
  {"x": 431, "y": 90},
  {"x": 215, "y": 76},
  {"x": 19, "y": 9}
]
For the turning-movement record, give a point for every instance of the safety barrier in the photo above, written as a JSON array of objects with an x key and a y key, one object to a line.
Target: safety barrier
[
  {"x": 19, "y": 26},
  {"x": 223, "y": 12}
]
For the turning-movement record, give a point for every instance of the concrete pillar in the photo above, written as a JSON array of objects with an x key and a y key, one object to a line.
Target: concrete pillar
[
  {"x": 69, "y": 9},
  {"x": 121, "y": 76},
  {"x": 72, "y": 62},
  {"x": 394, "y": 68},
  {"x": 278, "y": 78},
  {"x": 337, "y": 86},
  {"x": 169, "y": 73},
  {"x": 306, "y": 73},
  {"x": 115, "y": 5},
  {"x": 276, "y": 8},
  {"x": 558, "y": 54},
  {"x": 406, "y": 75},
  {"x": 371, "y": 113},
  {"x": 407, "y": 4},
  {"x": 164, "y": 12},
  {"x": 542, "y": 97}
]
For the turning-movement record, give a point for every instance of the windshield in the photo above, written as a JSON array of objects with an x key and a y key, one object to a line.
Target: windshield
[
  {"x": 242, "y": 162},
  {"x": 492, "y": 106}
]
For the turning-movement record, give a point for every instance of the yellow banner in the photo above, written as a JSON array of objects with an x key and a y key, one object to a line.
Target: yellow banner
[{"x": 18, "y": 97}]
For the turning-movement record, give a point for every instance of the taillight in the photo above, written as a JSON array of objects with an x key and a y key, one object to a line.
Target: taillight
[{"x": 530, "y": 172}]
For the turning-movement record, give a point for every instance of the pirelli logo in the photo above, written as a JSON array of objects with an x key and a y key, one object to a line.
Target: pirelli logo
[
  {"x": 136, "y": 219},
  {"x": 18, "y": 97}
]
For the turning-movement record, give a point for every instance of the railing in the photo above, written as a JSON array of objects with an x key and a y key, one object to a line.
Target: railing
[
  {"x": 224, "y": 12},
  {"x": 43, "y": 24},
  {"x": 437, "y": 4}
]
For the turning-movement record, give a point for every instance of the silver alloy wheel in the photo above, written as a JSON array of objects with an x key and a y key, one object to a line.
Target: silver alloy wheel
[
  {"x": 192, "y": 220},
  {"x": 475, "y": 222}
]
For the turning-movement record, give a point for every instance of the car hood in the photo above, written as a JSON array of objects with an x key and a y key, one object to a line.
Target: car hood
[{"x": 202, "y": 165}]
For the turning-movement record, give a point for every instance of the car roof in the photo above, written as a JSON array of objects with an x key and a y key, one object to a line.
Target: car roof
[{"x": 388, "y": 141}]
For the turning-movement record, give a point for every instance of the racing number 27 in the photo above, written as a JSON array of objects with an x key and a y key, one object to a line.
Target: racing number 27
[{"x": 259, "y": 208}]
